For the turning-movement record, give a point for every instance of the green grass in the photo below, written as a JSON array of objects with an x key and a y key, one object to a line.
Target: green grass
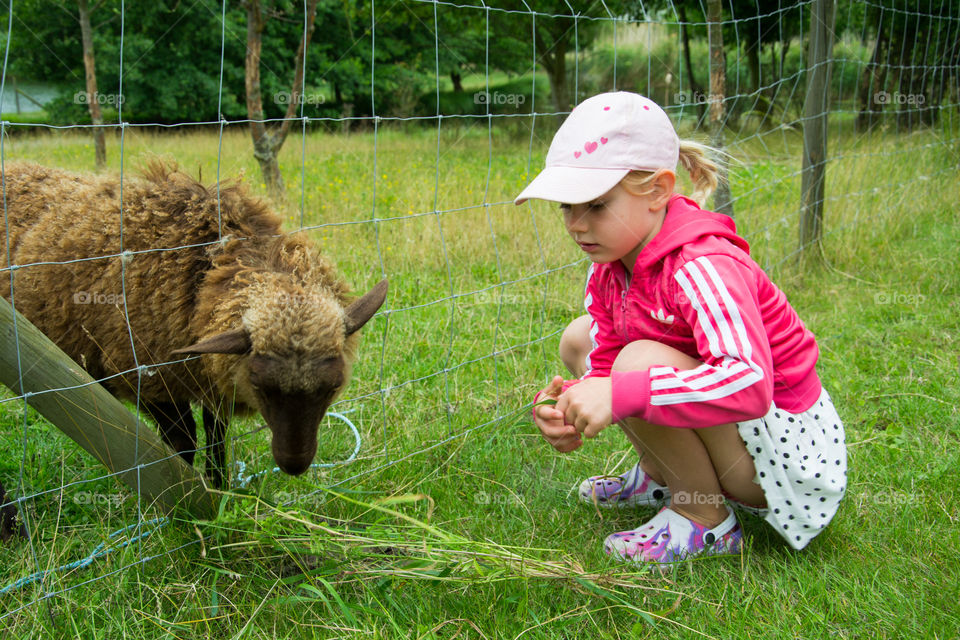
[{"x": 456, "y": 520}]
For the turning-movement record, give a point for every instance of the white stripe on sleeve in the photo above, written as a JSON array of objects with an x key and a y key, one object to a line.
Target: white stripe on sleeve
[{"x": 723, "y": 332}]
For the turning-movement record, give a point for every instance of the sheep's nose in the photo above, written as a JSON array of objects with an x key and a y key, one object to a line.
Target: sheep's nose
[
  {"x": 293, "y": 466},
  {"x": 293, "y": 458}
]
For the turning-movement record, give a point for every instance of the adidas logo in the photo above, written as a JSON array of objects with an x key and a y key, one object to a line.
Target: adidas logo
[{"x": 660, "y": 317}]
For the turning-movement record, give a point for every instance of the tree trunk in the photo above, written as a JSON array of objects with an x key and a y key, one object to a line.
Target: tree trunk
[
  {"x": 754, "y": 55},
  {"x": 558, "y": 80},
  {"x": 695, "y": 86},
  {"x": 723, "y": 203},
  {"x": 784, "y": 47},
  {"x": 457, "y": 81},
  {"x": 554, "y": 61},
  {"x": 872, "y": 82},
  {"x": 93, "y": 98},
  {"x": 264, "y": 147},
  {"x": 752, "y": 52},
  {"x": 267, "y": 142}
]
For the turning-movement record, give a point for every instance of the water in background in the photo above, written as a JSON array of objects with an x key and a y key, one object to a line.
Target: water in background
[{"x": 31, "y": 93}]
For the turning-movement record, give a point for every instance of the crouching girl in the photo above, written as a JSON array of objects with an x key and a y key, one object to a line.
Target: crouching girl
[{"x": 686, "y": 344}]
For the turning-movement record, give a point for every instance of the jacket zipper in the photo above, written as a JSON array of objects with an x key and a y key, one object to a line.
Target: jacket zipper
[{"x": 623, "y": 308}]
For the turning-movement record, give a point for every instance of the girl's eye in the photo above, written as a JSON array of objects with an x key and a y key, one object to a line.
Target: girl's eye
[
  {"x": 564, "y": 208},
  {"x": 596, "y": 205}
]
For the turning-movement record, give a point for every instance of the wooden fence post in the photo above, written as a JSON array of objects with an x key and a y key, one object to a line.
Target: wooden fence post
[
  {"x": 815, "y": 107},
  {"x": 723, "y": 202},
  {"x": 75, "y": 403}
]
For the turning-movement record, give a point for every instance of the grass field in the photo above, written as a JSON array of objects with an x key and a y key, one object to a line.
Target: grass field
[{"x": 456, "y": 520}]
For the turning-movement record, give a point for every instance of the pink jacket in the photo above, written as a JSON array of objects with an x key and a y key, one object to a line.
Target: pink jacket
[{"x": 696, "y": 289}]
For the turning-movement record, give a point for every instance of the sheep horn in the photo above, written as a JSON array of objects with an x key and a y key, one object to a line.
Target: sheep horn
[
  {"x": 363, "y": 308},
  {"x": 236, "y": 341}
]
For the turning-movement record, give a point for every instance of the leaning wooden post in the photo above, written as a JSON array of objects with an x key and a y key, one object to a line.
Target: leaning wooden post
[
  {"x": 815, "y": 107},
  {"x": 76, "y": 404}
]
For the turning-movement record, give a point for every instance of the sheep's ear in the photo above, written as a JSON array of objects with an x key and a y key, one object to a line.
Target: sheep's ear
[
  {"x": 236, "y": 341},
  {"x": 363, "y": 308}
]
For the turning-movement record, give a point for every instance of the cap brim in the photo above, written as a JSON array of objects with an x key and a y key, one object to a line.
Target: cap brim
[{"x": 571, "y": 185}]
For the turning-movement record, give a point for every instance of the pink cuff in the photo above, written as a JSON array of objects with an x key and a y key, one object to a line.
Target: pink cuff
[{"x": 631, "y": 394}]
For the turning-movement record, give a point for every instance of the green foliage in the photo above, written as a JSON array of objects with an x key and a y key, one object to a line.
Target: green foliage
[{"x": 171, "y": 70}]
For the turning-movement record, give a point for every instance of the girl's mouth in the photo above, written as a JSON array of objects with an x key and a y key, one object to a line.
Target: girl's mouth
[{"x": 589, "y": 247}]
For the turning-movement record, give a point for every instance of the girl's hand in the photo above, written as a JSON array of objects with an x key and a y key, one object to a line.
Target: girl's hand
[
  {"x": 562, "y": 437},
  {"x": 588, "y": 405}
]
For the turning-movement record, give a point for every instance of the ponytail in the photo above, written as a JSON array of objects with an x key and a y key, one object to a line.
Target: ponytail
[
  {"x": 695, "y": 158},
  {"x": 703, "y": 170}
]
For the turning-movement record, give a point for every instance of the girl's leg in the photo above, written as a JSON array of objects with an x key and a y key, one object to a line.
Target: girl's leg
[
  {"x": 696, "y": 463},
  {"x": 575, "y": 346}
]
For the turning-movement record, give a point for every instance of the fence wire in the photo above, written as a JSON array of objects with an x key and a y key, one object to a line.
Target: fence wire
[{"x": 470, "y": 326}]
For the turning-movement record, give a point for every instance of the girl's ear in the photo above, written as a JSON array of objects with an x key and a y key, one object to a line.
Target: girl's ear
[{"x": 662, "y": 188}]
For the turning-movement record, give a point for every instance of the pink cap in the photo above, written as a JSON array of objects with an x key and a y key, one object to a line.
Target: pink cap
[{"x": 601, "y": 141}]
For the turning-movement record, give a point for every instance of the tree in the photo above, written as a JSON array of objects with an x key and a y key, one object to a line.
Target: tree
[
  {"x": 557, "y": 30},
  {"x": 93, "y": 97},
  {"x": 912, "y": 66},
  {"x": 267, "y": 141},
  {"x": 723, "y": 202}
]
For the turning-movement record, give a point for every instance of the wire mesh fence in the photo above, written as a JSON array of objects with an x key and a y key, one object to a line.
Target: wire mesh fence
[{"x": 409, "y": 131}]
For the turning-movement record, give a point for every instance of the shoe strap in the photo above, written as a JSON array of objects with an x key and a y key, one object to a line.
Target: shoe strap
[{"x": 721, "y": 529}]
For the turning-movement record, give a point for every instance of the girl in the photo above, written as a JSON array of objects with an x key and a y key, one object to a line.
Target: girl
[{"x": 686, "y": 344}]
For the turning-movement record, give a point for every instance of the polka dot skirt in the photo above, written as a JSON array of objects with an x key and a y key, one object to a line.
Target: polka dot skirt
[{"x": 801, "y": 462}]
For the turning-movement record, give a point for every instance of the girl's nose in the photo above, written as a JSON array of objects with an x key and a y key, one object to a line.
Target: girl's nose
[{"x": 575, "y": 221}]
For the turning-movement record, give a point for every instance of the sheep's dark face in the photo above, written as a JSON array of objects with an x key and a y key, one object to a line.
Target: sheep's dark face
[
  {"x": 305, "y": 366},
  {"x": 293, "y": 415}
]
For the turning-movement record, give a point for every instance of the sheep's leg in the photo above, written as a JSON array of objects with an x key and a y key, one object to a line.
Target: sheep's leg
[
  {"x": 8, "y": 519},
  {"x": 216, "y": 432},
  {"x": 177, "y": 426}
]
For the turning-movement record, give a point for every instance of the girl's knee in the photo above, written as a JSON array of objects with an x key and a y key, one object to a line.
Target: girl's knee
[
  {"x": 575, "y": 345},
  {"x": 643, "y": 354}
]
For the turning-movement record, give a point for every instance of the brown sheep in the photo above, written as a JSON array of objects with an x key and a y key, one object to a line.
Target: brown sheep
[{"x": 180, "y": 276}]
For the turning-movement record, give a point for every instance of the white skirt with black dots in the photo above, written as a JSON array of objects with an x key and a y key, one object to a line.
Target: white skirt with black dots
[{"x": 801, "y": 462}]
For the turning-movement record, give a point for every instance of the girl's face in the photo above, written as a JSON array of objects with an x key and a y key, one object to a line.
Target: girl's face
[{"x": 615, "y": 226}]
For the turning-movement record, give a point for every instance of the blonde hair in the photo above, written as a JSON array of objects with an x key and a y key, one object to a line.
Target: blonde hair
[{"x": 695, "y": 158}]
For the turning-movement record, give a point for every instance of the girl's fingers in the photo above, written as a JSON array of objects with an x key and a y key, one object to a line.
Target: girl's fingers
[
  {"x": 549, "y": 414},
  {"x": 593, "y": 430},
  {"x": 557, "y": 431},
  {"x": 556, "y": 385}
]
